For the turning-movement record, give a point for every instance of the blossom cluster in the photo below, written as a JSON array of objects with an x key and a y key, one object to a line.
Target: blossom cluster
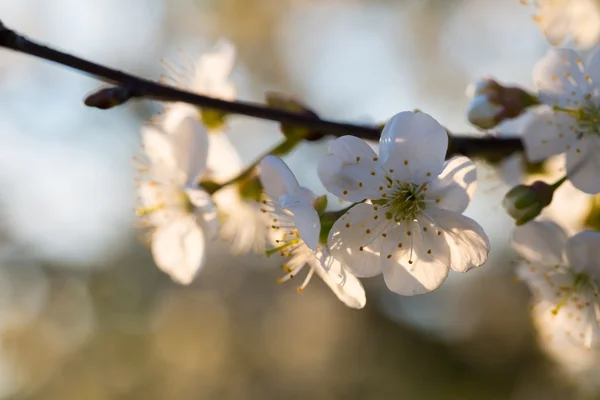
[{"x": 405, "y": 202}]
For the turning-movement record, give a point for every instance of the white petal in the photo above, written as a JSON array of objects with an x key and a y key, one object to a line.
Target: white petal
[
  {"x": 592, "y": 68},
  {"x": 190, "y": 141},
  {"x": 348, "y": 170},
  {"x": 456, "y": 185},
  {"x": 178, "y": 249},
  {"x": 345, "y": 285},
  {"x": 213, "y": 69},
  {"x": 158, "y": 146},
  {"x": 352, "y": 245},
  {"x": 223, "y": 162},
  {"x": 205, "y": 210},
  {"x": 540, "y": 242},
  {"x": 559, "y": 78},
  {"x": 306, "y": 219},
  {"x": 413, "y": 145},
  {"x": 547, "y": 133},
  {"x": 583, "y": 164},
  {"x": 469, "y": 244},
  {"x": 277, "y": 178},
  {"x": 414, "y": 259},
  {"x": 583, "y": 253}
]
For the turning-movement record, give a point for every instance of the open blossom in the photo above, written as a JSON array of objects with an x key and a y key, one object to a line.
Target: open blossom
[
  {"x": 571, "y": 123},
  {"x": 411, "y": 229},
  {"x": 209, "y": 75},
  {"x": 243, "y": 225},
  {"x": 181, "y": 215},
  {"x": 562, "y": 21},
  {"x": 563, "y": 274},
  {"x": 297, "y": 229}
]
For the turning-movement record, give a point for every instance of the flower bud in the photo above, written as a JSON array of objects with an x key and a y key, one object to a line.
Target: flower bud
[
  {"x": 287, "y": 103},
  {"x": 320, "y": 204},
  {"x": 492, "y": 103},
  {"x": 525, "y": 202}
]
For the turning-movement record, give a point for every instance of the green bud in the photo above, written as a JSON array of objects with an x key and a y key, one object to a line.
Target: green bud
[
  {"x": 213, "y": 119},
  {"x": 284, "y": 102},
  {"x": 320, "y": 204},
  {"x": 525, "y": 202}
]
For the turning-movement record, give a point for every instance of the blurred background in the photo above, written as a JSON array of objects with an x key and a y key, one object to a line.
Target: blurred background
[{"x": 85, "y": 314}]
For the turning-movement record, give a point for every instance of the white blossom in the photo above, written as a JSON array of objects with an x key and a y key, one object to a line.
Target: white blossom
[
  {"x": 564, "y": 21},
  {"x": 571, "y": 121},
  {"x": 180, "y": 214},
  {"x": 563, "y": 274},
  {"x": 243, "y": 225},
  {"x": 411, "y": 229},
  {"x": 209, "y": 74},
  {"x": 296, "y": 227}
]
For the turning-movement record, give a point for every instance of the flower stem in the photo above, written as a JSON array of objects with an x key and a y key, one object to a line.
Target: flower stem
[{"x": 136, "y": 87}]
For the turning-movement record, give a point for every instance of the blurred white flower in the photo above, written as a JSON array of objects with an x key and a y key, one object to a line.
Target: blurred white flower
[
  {"x": 413, "y": 230},
  {"x": 297, "y": 229},
  {"x": 563, "y": 274},
  {"x": 243, "y": 224},
  {"x": 571, "y": 123},
  {"x": 182, "y": 214},
  {"x": 563, "y": 21},
  {"x": 208, "y": 75}
]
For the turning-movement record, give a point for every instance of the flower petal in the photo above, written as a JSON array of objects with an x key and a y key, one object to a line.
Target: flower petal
[
  {"x": 583, "y": 164},
  {"x": 547, "y": 133},
  {"x": 414, "y": 259},
  {"x": 205, "y": 210},
  {"x": 413, "y": 145},
  {"x": 347, "y": 170},
  {"x": 213, "y": 70},
  {"x": 306, "y": 219},
  {"x": 540, "y": 242},
  {"x": 592, "y": 68},
  {"x": 455, "y": 187},
  {"x": 583, "y": 253},
  {"x": 352, "y": 245},
  {"x": 178, "y": 249},
  {"x": 559, "y": 78},
  {"x": 277, "y": 178},
  {"x": 158, "y": 146},
  {"x": 190, "y": 141},
  {"x": 223, "y": 161},
  {"x": 345, "y": 285},
  {"x": 469, "y": 244}
]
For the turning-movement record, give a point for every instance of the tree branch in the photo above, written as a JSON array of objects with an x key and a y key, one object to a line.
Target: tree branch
[{"x": 489, "y": 147}]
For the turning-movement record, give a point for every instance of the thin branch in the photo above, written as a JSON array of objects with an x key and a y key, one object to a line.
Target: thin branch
[{"x": 488, "y": 147}]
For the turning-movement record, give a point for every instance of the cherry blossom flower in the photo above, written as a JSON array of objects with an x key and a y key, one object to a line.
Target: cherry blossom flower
[
  {"x": 209, "y": 75},
  {"x": 297, "y": 228},
  {"x": 411, "y": 229},
  {"x": 243, "y": 225},
  {"x": 563, "y": 274},
  {"x": 180, "y": 214},
  {"x": 563, "y": 21},
  {"x": 571, "y": 122}
]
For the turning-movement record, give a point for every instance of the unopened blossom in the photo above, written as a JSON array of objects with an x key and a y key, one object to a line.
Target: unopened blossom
[
  {"x": 570, "y": 123},
  {"x": 492, "y": 103},
  {"x": 296, "y": 230},
  {"x": 180, "y": 215},
  {"x": 408, "y": 224},
  {"x": 563, "y": 274},
  {"x": 569, "y": 206},
  {"x": 568, "y": 21}
]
